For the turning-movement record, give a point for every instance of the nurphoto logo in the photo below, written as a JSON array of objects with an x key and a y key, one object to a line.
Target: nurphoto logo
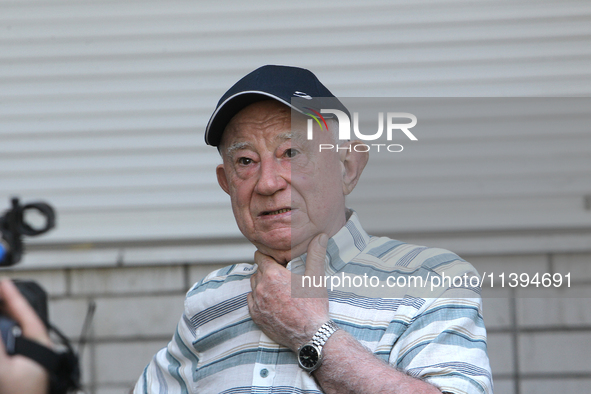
[{"x": 392, "y": 124}]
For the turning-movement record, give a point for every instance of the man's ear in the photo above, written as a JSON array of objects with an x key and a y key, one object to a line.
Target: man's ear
[
  {"x": 222, "y": 179},
  {"x": 353, "y": 164}
]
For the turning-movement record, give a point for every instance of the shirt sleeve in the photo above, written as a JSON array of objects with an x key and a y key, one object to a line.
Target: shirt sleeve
[
  {"x": 171, "y": 369},
  {"x": 445, "y": 345}
]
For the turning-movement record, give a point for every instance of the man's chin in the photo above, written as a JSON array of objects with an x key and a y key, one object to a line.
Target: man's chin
[{"x": 279, "y": 249}]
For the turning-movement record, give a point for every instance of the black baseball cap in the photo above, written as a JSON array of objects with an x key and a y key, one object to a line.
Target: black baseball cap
[{"x": 295, "y": 87}]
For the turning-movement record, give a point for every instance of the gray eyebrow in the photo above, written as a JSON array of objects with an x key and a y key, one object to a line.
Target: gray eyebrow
[
  {"x": 282, "y": 137},
  {"x": 285, "y": 136},
  {"x": 241, "y": 145},
  {"x": 298, "y": 137},
  {"x": 236, "y": 146}
]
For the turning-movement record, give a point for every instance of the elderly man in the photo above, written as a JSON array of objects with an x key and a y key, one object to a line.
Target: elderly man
[{"x": 246, "y": 329}]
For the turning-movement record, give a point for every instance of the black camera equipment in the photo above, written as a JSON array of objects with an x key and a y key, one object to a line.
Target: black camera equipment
[
  {"x": 13, "y": 226},
  {"x": 63, "y": 366}
]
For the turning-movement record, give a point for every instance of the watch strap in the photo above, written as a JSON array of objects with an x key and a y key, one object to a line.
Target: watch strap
[
  {"x": 37, "y": 352},
  {"x": 324, "y": 332}
]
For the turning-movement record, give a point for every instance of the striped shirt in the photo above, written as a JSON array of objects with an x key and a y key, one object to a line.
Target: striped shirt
[{"x": 434, "y": 334}]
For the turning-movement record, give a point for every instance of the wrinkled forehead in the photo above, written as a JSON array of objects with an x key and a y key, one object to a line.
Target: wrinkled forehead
[{"x": 270, "y": 120}]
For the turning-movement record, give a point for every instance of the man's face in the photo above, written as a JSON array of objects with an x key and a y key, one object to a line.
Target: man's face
[{"x": 283, "y": 191}]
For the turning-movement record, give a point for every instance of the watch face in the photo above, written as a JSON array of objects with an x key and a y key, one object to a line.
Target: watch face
[{"x": 308, "y": 356}]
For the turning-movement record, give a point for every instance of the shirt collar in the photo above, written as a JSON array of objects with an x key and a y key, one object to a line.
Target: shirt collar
[{"x": 343, "y": 247}]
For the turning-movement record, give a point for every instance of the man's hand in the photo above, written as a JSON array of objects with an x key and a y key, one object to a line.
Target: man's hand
[
  {"x": 289, "y": 321},
  {"x": 19, "y": 374}
]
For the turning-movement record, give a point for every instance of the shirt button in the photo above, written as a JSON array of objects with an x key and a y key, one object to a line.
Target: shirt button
[{"x": 264, "y": 373}]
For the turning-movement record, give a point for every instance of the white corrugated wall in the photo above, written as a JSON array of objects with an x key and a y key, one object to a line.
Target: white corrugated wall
[{"x": 103, "y": 104}]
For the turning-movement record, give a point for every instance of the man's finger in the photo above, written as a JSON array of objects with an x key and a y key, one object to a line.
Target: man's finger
[
  {"x": 315, "y": 261},
  {"x": 250, "y": 301},
  {"x": 263, "y": 261},
  {"x": 253, "y": 281}
]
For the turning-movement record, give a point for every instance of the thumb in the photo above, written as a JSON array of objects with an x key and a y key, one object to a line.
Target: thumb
[{"x": 315, "y": 261}]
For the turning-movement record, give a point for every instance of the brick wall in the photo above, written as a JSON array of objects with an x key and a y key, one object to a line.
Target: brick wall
[{"x": 539, "y": 341}]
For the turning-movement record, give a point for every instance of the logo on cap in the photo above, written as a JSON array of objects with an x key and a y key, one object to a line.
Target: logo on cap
[{"x": 303, "y": 95}]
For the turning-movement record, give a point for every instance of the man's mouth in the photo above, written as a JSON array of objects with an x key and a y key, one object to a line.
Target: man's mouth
[{"x": 277, "y": 212}]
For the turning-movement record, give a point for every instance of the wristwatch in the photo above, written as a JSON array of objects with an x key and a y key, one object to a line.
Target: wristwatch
[{"x": 310, "y": 354}]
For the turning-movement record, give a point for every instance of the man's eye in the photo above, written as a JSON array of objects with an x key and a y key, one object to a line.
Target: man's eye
[
  {"x": 244, "y": 161},
  {"x": 291, "y": 152}
]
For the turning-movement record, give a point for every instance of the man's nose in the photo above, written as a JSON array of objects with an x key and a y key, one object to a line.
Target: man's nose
[{"x": 274, "y": 177}]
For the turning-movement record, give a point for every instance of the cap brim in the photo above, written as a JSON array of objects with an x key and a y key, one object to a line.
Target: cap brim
[{"x": 230, "y": 107}]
